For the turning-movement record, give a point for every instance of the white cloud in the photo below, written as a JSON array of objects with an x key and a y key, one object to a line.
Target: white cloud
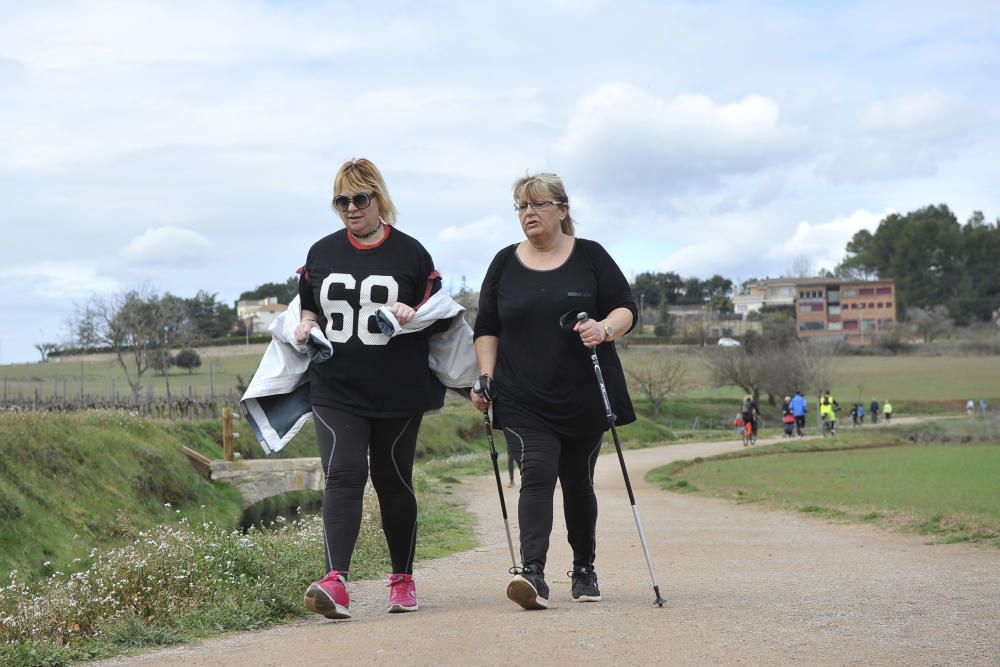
[
  {"x": 466, "y": 250},
  {"x": 230, "y": 118},
  {"x": 57, "y": 281},
  {"x": 166, "y": 245},
  {"x": 120, "y": 35},
  {"x": 489, "y": 229},
  {"x": 823, "y": 242},
  {"x": 620, "y": 136},
  {"x": 908, "y": 135},
  {"x": 742, "y": 246},
  {"x": 923, "y": 111}
]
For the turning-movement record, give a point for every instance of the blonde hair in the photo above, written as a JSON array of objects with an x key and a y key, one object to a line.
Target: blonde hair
[
  {"x": 544, "y": 184},
  {"x": 361, "y": 175}
]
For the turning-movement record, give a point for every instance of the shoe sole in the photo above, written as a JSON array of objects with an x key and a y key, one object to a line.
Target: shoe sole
[
  {"x": 523, "y": 593},
  {"x": 399, "y": 608},
  {"x": 319, "y": 601},
  {"x": 588, "y": 598}
]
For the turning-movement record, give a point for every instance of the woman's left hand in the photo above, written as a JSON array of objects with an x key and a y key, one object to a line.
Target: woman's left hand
[
  {"x": 591, "y": 333},
  {"x": 402, "y": 312}
]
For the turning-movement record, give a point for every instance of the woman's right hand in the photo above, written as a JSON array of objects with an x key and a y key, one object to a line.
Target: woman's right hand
[
  {"x": 481, "y": 403},
  {"x": 303, "y": 329}
]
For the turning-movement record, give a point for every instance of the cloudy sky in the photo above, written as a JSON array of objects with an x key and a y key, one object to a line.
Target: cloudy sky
[{"x": 192, "y": 145}]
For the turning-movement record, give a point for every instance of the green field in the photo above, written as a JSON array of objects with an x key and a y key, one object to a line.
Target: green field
[
  {"x": 898, "y": 378},
  {"x": 103, "y": 376},
  {"x": 946, "y": 484}
]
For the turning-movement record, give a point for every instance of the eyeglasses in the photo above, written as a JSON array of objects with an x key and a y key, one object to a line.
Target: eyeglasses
[
  {"x": 360, "y": 201},
  {"x": 538, "y": 204}
]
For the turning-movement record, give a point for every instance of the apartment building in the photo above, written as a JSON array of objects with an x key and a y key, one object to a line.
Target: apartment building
[
  {"x": 855, "y": 311},
  {"x": 772, "y": 292},
  {"x": 257, "y": 314}
]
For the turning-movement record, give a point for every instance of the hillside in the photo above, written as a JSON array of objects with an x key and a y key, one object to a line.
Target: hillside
[{"x": 69, "y": 483}]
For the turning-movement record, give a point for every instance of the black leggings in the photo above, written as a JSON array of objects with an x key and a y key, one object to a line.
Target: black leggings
[
  {"x": 513, "y": 457},
  {"x": 545, "y": 458},
  {"x": 800, "y": 423},
  {"x": 346, "y": 443}
]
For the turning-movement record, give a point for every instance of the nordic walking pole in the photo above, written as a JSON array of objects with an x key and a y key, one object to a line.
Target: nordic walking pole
[
  {"x": 484, "y": 387},
  {"x": 621, "y": 459}
]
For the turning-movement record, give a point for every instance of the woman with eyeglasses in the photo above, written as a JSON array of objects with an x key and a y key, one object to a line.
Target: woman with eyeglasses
[
  {"x": 547, "y": 400},
  {"x": 369, "y": 396}
]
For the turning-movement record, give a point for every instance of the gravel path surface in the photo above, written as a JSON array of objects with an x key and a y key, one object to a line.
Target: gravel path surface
[{"x": 743, "y": 586}]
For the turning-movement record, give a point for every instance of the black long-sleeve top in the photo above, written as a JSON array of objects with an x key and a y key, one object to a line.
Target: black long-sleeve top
[{"x": 544, "y": 375}]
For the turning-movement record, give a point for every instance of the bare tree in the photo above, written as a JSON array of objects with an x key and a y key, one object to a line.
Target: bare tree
[
  {"x": 777, "y": 368},
  {"x": 130, "y": 323},
  {"x": 45, "y": 349},
  {"x": 160, "y": 360},
  {"x": 735, "y": 366},
  {"x": 801, "y": 266},
  {"x": 930, "y": 323},
  {"x": 819, "y": 368},
  {"x": 656, "y": 376}
]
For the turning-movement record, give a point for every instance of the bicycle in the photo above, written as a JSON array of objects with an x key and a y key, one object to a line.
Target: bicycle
[
  {"x": 829, "y": 427},
  {"x": 749, "y": 437}
]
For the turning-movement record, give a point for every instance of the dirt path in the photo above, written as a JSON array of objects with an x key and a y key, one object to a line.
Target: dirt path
[{"x": 743, "y": 586}]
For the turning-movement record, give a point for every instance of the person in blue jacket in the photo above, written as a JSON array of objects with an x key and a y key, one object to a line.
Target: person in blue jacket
[{"x": 799, "y": 410}]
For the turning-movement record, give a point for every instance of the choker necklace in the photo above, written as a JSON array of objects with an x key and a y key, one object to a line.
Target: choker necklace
[{"x": 369, "y": 234}]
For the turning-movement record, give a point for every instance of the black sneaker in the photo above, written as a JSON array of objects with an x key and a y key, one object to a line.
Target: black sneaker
[
  {"x": 584, "y": 584},
  {"x": 529, "y": 589}
]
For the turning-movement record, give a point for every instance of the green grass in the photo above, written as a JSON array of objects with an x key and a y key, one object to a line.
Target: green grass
[
  {"x": 191, "y": 577},
  {"x": 899, "y": 378},
  {"x": 922, "y": 379},
  {"x": 179, "y": 583},
  {"x": 102, "y": 375},
  {"x": 941, "y": 479},
  {"x": 101, "y": 506},
  {"x": 67, "y": 481}
]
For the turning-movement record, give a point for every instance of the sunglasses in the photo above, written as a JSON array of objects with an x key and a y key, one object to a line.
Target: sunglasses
[{"x": 360, "y": 201}]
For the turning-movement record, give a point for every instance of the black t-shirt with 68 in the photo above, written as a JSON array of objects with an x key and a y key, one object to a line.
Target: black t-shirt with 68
[{"x": 344, "y": 283}]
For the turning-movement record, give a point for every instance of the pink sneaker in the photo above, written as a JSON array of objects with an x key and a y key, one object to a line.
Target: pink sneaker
[
  {"x": 402, "y": 593},
  {"x": 329, "y": 596}
]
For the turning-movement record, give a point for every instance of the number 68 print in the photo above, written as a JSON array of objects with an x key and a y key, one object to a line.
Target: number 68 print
[{"x": 366, "y": 307}]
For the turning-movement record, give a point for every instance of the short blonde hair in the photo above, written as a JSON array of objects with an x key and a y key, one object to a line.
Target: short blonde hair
[
  {"x": 361, "y": 175},
  {"x": 544, "y": 184}
]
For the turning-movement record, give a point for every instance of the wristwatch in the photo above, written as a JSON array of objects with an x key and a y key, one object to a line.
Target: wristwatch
[{"x": 608, "y": 331}]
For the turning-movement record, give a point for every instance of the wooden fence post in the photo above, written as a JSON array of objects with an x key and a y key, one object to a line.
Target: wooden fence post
[{"x": 227, "y": 433}]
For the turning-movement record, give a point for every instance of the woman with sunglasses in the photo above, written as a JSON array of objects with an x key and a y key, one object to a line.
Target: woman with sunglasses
[
  {"x": 547, "y": 400},
  {"x": 369, "y": 396}
]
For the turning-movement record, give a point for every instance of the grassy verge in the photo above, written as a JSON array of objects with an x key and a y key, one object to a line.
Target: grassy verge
[
  {"x": 69, "y": 483},
  {"x": 192, "y": 579},
  {"x": 147, "y": 553},
  {"x": 940, "y": 479}
]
